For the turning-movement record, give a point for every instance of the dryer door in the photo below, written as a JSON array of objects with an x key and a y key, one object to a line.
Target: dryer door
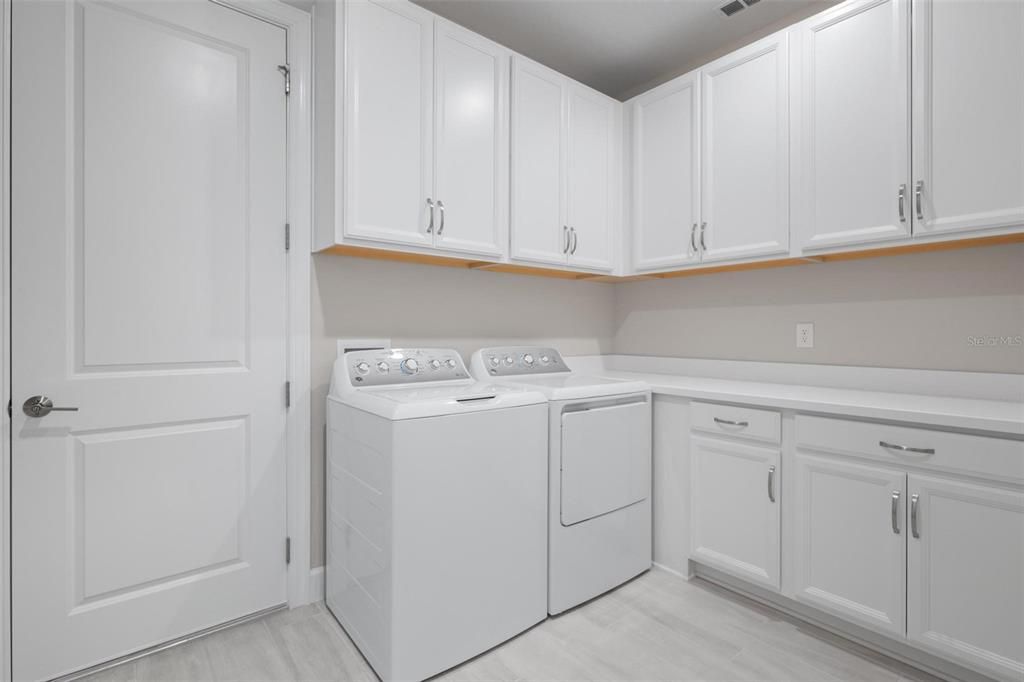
[{"x": 605, "y": 459}]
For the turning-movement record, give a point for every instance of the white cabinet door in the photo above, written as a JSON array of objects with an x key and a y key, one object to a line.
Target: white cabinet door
[
  {"x": 745, "y": 152},
  {"x": 851, "y": 128},
  {"x": 471, "y": 141},
  {"x": 968, "y": 115},
  {"x": 388, "y": 127},
  {"x": 735, "y": 509},
  {"x": 539, "y": 231},
  {"x": 849, "y": 552},
  {"x": 965, "y": 573},
  {"x": 593, "y": 187},
  {"x": 666, "y": 174}
]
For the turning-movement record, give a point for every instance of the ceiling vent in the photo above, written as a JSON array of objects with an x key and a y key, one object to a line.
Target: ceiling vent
[{"x": 737, "y": 6}]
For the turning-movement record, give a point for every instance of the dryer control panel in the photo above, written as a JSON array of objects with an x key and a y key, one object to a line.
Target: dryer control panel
[
  {"x": 391, "y": 366},
  {"x": 505, "y": 361}
]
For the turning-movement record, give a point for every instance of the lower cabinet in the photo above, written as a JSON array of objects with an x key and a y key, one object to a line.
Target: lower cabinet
[
  {"x": 735, "y": 508},
  {"x": 849, "y": 548},
  {"x": 965, "y": 572}
]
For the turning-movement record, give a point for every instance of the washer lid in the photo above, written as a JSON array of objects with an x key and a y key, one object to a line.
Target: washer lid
[{"x": 438, "y": 400}]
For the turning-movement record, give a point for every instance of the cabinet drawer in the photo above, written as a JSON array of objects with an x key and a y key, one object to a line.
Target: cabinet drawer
[
  {"x": 738, "y": 422},
  {"x": 960, "y": 453}
]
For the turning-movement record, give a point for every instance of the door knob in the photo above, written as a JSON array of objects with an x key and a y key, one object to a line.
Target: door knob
[{"x": 39, "y": 406}]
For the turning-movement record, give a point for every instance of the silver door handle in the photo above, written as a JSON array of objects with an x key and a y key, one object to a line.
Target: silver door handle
[
  {"x": 565, "y": 238},
  {"x": 771, "y": 483},
  {"x": 896, "y": 512},
  {"x": 703, "y": 226},
  {"x": 905, "y": 448},
  {"x": 918, "y": 191},
  {"x": 430, "y": 203},
  {"x": 730, "y": 422},
  {"x": 575, "y": 241},
  {"x": 693, "y": 238},
  {"x": 39, "y": 406},
  {"x": 902, "y": 196},
  {"x": 913, "y": 516},
  {"x": 440, "y": 205}
]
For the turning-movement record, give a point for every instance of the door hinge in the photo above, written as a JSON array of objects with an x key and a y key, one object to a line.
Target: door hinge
[
  {"x": 287, "y": 394},
  {"x": 287, "y": 550},
  {"x": 287, "y": 237},
  {"x": 286, "y": 71}
]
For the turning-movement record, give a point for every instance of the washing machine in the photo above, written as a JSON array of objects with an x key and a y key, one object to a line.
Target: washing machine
[
  {"x": 599, "y": 470},
  {"x": 436, "y": 509}
]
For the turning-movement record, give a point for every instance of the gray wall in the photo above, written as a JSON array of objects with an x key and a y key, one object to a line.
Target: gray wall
[
  {"x": 422, "y": 305},
  {"x": 913, "y": 311}
]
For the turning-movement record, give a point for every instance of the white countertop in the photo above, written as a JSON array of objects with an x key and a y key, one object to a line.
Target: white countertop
[{"x": 1004, "y": 417}]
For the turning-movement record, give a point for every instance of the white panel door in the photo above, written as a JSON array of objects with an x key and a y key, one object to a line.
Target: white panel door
[
  {"x": 968, "y": 115},
  {"x": 735, "y": 508},
  {"x": 965, "y": 573},
  {"x": 539, "y": 231},
  {"x": 389, "y": 131},
  {"x": 849, "y": 551},
  {"x": 851, "y": 126},
  {"x": 605, "y": 460},
  {"x": 745, "y": 152},
  {"x": 148, "y": 284},
  {"x": 471, "y": 142},
  {"x": 666, "y": 174},
  {"x": 592, "y": 181}
]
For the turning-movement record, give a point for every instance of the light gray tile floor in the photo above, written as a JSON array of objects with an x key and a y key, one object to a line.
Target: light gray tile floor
[{"x": 657, "y": 627}]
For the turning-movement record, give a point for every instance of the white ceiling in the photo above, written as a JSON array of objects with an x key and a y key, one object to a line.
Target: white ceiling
[{"x": 621, "y": 47}]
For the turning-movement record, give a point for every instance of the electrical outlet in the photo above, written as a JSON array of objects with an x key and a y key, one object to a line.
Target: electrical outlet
[{"x": 805, "y": 335}]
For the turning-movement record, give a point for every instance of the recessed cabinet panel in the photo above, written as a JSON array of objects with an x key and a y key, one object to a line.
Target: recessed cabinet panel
[
  {"x": 538, "y": 151},
  {"x": 592, "y": 182},
  {"x": 849, "y": 540},
  {"x": 745, "y": 151},
  {"x": 851, "y": 172},
  {"x": 388, "y": 121},
  {"x": 965, "y": 572},
  {"x": 968, "y": 115},
  {"x": 666, "y": 180}
]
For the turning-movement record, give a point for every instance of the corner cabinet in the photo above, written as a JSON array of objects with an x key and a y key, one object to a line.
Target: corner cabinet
[
  {"x": 421, "y": 132},
  {"x": 565, "y": 170}
]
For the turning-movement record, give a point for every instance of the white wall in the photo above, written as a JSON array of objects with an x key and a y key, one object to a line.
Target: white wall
[
  {"x": 913, "y": 311},
  {"x": 422, "y": 305}
]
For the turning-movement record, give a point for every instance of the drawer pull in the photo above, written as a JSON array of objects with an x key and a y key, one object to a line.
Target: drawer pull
[
  {"x": 729, "y": 422},
  {"x": 906, "y": 448},
  {"x": 896, "y": 512},
  {"x": 771, "y": 483},
  {"x": 913, "y": 516}
]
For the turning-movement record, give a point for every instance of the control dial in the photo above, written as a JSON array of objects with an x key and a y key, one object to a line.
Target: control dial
[
  {"x": 382, "y": 367},
  {"x": 435, "y": 364},
  {"x": 509, "y": 360},
  {"x": 450, "y": 363},
  {"x": 409, "y": 366},
  {"x": 544, "y": 359},
  {"x": 494, "y": 361},
  {"x": 528, "y": 359},
  {"x": 362, "y": 367}
]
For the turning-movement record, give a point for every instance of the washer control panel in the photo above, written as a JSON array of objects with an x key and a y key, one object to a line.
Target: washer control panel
[
  {"x": 390, "y": 366},
  {"x": 518, "y": 360}
]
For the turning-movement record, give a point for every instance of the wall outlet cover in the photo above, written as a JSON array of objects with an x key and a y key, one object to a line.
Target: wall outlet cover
[{"x": 805, "y": 335}]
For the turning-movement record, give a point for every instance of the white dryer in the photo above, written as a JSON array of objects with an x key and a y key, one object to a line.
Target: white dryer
[
  {"x": 436, "y": 509},
  {"x": 599, "y": 481}
]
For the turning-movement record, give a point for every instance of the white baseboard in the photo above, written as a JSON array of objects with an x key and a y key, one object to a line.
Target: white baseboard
[{"x": 316, "y": 584}]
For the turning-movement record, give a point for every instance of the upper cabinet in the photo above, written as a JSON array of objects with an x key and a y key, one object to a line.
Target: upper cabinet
[
  {"x": 851, "y": 165},
  {"x": 423, "y": 161},
  {"x": 565, "y": 179},
  {"x": 968, "y": 115},
  {"x": 745, "y": 152},
  {"x": 666, "y": 174}
]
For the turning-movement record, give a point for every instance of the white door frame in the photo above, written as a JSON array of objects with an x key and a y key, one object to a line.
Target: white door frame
[{"x": 298, "y": 25}]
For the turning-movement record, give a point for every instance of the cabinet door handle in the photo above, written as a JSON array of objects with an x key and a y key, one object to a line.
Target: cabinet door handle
[
  {"x": 440, "y": 229},
  {"x": 702, "y": 227},
  {"x": 918, "y": 191},
  {"x": 565, "y": 239},
  {"x": 729, "y": 422},
  {"x": 896, "y": 512},
  {"x": 693, "y": 238},
  {"x": 575, "y": 241},
  {"x": 906, "y": 448},
  {"x": 913, "y": 516},
  {"x": 771, "y": 483},
  {"x": 902, "y": 196},
  {"x": 430, "y": 203}
]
